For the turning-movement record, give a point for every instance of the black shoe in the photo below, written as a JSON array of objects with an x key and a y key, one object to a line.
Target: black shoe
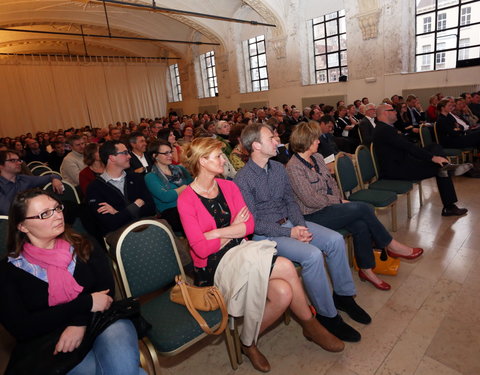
[
  {"x": 348, "y": 304},
  {"x": 336, "y": 326},
  {"x": 453, "y": 211}
]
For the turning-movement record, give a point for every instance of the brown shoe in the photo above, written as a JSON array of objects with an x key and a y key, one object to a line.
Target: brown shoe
[
  {"x": 314, "y": 331},
  {"x": 258, "y": 360}
]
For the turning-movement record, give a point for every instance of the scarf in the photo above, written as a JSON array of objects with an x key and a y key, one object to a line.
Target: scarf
[{"x": 62, "y": 287}]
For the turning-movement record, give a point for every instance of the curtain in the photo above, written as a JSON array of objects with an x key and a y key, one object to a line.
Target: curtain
[{"x": 40, "y": 96}]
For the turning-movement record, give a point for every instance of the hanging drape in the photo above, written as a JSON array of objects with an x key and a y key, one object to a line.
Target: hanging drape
[{"x": 39, "y": 96}]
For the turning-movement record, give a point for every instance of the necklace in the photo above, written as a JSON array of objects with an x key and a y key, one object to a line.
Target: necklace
[{"x": 202, "y": 190}]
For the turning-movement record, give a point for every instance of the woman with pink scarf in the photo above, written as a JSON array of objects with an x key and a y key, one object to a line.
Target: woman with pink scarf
[{"x": 53, "y": 281}]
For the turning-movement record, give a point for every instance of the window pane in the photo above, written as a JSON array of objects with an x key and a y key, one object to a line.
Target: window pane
[
  {"x": 333, "y": 75},
  {"x": 341, "y": 12},
  {"x": 262, "y": 60},
  {"x": 256, "y": 86},
  {"x": 343, "y": 58},
  {"x": 472, "y": 33},
  {"x": 255, "y": 74},
  {"x": 253, "y": 62},
  {"x": 424, "y": 62},
  {"x": 212, "y": 92},
  {"x": 341, "y": 25},
  {"x": 425, "y": 5},
  {"x": 320, "y": 62},
  {"x": 253, "y": 49},
  {"x": 474, "y": 13},
  {"x": 260, "y": 37},
  {"x": 447, "y": 39},
  {"x": 261, "y": 47},
  {"x": 330, "y": 16},
  {"x": 331, "y": 28},
  {"x": 333, "y": 60},
  {"x": 446, "y": 3},
  {"x": 264, "y": 84},
  {"x": 263, "y": 73},
  {"x": 343, "y": 41},
  {"x": 321, "y": 76},
  {"x": 318, "y": 19},
  {"x": 319, "y": 31},
  {"x": 426, "y": 23},
  {"x": 344, "y": 71},
  {"x": 320, "y": 46},
  {"x": 424, "y": 40},
  {"x": 332, "y": 44},
  {"x": 446, "y": 60}
]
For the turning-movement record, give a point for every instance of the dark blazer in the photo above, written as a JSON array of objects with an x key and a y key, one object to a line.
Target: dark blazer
[
  {"x": 100, "y": 191},
  {"x": 449, "y": 137},
  {"x": 327, "y": 145},
  {"x": 135, "y": 163},
  {"x": 419, "y": 116},
  {"x": 398, "y": 158},
  {"x": 366, "y": 128}
]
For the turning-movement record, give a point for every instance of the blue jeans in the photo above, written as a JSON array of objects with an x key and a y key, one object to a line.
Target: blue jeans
[
  {"x": 360, "y": 220},
  {"x": 310, "y": 256},
  {"x": 114, "y": 352}
]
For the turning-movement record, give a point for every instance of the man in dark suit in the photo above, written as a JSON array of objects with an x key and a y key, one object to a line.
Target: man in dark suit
[
  {"x": 367, "y": 124},
  {"x": 327, "y": 144},
  {"x": 402, "y": 160}
]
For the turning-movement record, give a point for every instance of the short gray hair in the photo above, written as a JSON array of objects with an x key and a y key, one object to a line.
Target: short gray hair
[{"x": 250, "y": 134}]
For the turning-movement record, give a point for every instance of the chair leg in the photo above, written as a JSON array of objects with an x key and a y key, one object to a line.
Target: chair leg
[
  {"x": 153, "y": 355},
  {"x": 232, "y": 354},
  {"x": 146, "y": 361},
  {"x": 420, "y": 193},
  {"x": 409, "y": 206},
  {"x": 286, "y": 317},
  {"x": 394, "y": 217},
  {"x": 236, "y": 339}
]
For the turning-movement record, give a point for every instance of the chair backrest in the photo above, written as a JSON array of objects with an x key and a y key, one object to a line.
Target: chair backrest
[
  {"x": 147, "y": 258},
  {"x": 69, "y": 194},
  {"x": 374, "y": 159},
  {"x": 3, "y": 235},
  {"x": 50, "y": 172},
  {"x": 39, "y": 169},
  {"x": 435, "y": 132},
  {"x": 34, "y": 163},
  {"x": 365, "y": 166},
  {"x": 345, "y": 173},
  {"x": 425, "y": 136},
  {"x": 359, "y": 134}
]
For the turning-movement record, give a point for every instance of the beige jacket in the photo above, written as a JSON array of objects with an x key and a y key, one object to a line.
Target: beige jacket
[{"x": 242, "y": 276}]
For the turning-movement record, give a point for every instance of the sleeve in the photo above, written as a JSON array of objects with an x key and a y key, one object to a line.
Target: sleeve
[
  {"x": 305, "y": 190},
  {"x": 262, "y": 227},
  {"x": 294, "y": 213},
  {"x": 159, "y": 189},
  {"x": 186, "y": 174},
  {"x": 390, "y": 137},
  {"x": 192, "y": 224},
  {"x": 238, "y": 204},
  {"x": 70, "y": 170},
  {"x": 23, "y": 323}
]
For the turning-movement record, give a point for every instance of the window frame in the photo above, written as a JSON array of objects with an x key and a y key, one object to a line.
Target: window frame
[
  {"x": 327, "y": 56},
  {"x": 209, "y": 74},
  {"x": 175, "y": 84},
  {"x": 456, "y": 30},
  {"x": 254, "y": 71}
]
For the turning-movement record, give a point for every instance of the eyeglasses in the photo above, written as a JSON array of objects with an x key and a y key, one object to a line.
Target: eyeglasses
[
  {"x": 165, "y": 153},
  {"x": 390, "y": 110},
  {"x": 14, "y": 160},
  {"x": 47, "y": 213},
  {"x": 122, "y": 153}
]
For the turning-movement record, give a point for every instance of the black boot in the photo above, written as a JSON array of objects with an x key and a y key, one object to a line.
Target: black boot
[
  {"x": 348, "y": 304},
  {"x": 339, "y": 328}
]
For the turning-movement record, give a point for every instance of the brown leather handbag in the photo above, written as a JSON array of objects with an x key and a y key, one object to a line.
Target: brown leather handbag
[{"x": 200, "y": 298}]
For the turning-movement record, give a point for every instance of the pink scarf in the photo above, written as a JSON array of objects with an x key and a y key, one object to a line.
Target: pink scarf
[{"x": 62, "y": 287}]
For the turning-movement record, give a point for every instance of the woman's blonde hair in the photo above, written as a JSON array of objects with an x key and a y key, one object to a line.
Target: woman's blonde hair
[
  {"x": 199, "y": 148},
  {"x": 303, "y": 136}
]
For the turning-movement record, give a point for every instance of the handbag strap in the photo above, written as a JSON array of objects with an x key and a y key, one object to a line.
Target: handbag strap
[{"x": 196, "y": 315}]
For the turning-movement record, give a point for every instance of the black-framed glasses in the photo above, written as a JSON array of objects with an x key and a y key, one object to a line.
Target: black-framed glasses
[
  {"x": 14, "y": 160},
  {"x": 122, "y": 152},
  {"x": 47, "y": 213},
  {"x": 165, "y": 153}
]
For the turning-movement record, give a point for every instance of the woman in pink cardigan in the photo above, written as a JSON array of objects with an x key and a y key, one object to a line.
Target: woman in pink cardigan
[{"x": 215, "y": 219}]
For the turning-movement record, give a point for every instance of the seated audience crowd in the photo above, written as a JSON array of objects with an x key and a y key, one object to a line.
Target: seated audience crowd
[{"x": 225, "y": 181}]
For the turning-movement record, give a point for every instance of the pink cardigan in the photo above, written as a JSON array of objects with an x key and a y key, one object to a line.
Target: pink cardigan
[{"x": 196, "y": 220}]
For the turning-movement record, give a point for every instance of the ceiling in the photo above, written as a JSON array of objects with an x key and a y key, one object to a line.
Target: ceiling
[{"x": 73, "y": 16}]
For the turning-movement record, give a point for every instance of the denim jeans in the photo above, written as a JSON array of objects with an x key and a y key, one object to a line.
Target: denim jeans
[
  {"x": 310, "y": 255},
  {"x": 360, "y": 220},
  {"x": 114, "y": 352}
]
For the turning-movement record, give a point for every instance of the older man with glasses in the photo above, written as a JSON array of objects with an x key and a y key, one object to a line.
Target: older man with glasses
[{"x": 13, "y": 182}]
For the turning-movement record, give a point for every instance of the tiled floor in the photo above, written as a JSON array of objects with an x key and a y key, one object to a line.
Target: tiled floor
[{"x": 427, "y": 324}]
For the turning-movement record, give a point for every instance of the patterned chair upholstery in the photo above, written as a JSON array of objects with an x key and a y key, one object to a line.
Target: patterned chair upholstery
[{"x": 148, "y": 262}]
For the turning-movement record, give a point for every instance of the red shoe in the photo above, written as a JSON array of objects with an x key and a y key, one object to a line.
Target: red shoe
[
  {"x": 382, "y": 286},
  {"x": 417, "y": 251}
]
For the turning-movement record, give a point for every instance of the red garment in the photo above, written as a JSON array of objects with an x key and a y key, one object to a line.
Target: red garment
[
  {"x": 196, "y": 220},
  {"x": 85, "y": 177},
  {"x": 432, "y": 113}
]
